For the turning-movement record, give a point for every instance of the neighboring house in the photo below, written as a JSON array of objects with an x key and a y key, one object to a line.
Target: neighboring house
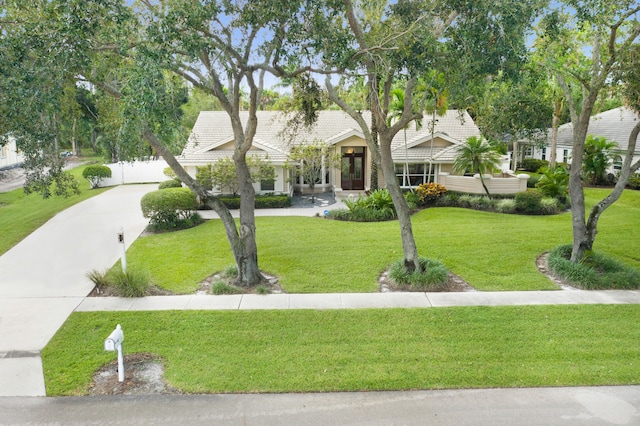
[
  {"x": 212, "y": 139},
  {"x": 10, "y": 155},
  {"x": 614, "y": 125}
]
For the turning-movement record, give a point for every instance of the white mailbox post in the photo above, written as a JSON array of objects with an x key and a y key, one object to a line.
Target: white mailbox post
[
  {"x": 123, "y": 257},
  {"x": 113, "y": 343}
]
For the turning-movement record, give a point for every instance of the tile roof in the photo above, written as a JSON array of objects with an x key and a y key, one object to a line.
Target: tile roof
[
  {"x": 212, "y": 134},
  {"x": 615, "y": 125}
]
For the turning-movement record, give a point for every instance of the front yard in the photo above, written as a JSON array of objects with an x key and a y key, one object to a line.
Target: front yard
[{"x": 490, "y": 251}]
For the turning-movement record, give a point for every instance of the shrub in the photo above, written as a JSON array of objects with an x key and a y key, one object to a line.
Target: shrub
[
  {"x": 533, "y": 164},
  {"x": 554, "y": 183},
  {"x": 220, "y": 287},
  {"x": 434, "y": 277},
  {"x": 430, "y": 192},
  {"x": 265, "y": 201},
  {"x": 533, "y": 180},
  {"x": 528, "y": 202},
  {"x": 168, "y": 172},
  {"x": 506, "y": 205},
  {"x": 99, "y": 279},
  {"x": 173, "y": 183},
  {"x": 594, "y": 272},
  {"x": 377, "y": 206},
  {"x": 95, "y": 174},
  {"x": 549, "y": 206},
  {"x": 634, "y": 181},
  {"x": 413, "y": 200},
  {"x": 132, "y": 283},
  {"x": 450, "y": 199},
  {"x": 171, "y": 208}
]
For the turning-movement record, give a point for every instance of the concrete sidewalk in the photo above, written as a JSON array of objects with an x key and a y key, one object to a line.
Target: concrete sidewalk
[{"x": 358, "y": 300}]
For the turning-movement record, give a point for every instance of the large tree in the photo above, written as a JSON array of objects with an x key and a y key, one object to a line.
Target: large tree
[
  {"x": 143, "y": 54},
  {"x": 403, "y": 44},
  {"x": 587, "y": 45}
]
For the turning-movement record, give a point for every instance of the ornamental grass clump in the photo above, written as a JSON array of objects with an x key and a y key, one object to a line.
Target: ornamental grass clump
[
  {"x": 434, "y": 276},
  {"x": 132, "y": 283},
  {"x": 594, "y": 272}
]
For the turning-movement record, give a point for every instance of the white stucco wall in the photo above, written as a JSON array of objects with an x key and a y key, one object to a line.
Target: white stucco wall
[{"x": 137, "y": 172}]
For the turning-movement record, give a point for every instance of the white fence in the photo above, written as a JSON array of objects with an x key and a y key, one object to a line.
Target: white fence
[
  {"x": 136, "y": 172},
  {"x": 495, "y": 184}
]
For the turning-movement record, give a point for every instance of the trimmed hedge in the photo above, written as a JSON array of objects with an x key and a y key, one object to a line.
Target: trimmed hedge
[
  {"x": 171, "y": 208},
  {"x": 173, "y": 183},
  {"x": 94, "y": 174},
  {"x": 269, "y": 201}
]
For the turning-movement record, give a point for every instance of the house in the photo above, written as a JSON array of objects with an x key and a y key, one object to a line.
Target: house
[
  {"x": 412, "y": 149},
  {"x": 614, "y": 125},
  {"x": 10, "y": 155}
]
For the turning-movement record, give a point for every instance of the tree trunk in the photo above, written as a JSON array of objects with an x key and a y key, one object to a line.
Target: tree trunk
[
  {"x": 242, "y": 242},
  {"x": 555, "y": 120},
  {"x": 486, "y": 190},
  {"x": 409, "y": 249},
  {"x": 247, "y": 253}
]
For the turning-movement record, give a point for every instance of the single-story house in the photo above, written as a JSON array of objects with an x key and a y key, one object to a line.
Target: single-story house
[
  {"x": 10, "y": 155},
  {"x": 413, "y": 151},
  {"x": 615, "y": 125}
]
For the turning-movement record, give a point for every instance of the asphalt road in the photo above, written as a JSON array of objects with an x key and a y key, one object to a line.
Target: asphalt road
[{"x": 615, "y": 405}]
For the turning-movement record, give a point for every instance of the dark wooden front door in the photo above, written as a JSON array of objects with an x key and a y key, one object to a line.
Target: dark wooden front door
[{"x": 353, "y": 169}]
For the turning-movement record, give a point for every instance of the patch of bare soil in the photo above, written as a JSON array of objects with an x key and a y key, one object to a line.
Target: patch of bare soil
[
  {"x": 454, "y": 284},
  {"x": 143, "y": 375},
  {"x": 543, "y": 267},
  {"x": 270, "y": 283}
]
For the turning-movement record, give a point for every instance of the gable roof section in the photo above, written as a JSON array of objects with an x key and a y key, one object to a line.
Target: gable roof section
[
  {"x": 212, "y": 133},
  {"x": 615, "y": 125}
]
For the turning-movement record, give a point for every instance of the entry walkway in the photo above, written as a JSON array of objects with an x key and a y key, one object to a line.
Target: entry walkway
[{"x": 43, "y": 280}]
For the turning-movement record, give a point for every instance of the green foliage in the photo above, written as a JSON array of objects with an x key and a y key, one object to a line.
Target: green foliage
[
  {"x": 528, "y": 202},
  {"x": 377, "y": 206},
  {"x": 533, "y": 164},
  {"x": 430, "y": 192},
  {"x": 168, "y": 172},
  {"x": 230, "y": 271},
  {"x": 263, "y": 201},
  {"x": 95, "y": 174},
  {"x": 170, "y": 209},
  {"x": 594, "y": 272},
  {"x": 173, "y": 183},
  {"x": 262, "y": 289},
  {"x": 434, "y": 276},
  {"x": 220, "y": 287},
  {"x": 634, "y": 181},
  {"x": 99, "y": 279},
  {"x": 222, "y": 176},
  {"x": 133, "y": 283},
  {"x": 554, "y": 183},
  {"x": 598, "y": 154},
  {"x": 309, "y": 160}
]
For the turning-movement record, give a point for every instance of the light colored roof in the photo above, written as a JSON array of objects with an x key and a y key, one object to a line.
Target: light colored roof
[
  {"x": 212, "y": 135},
  {"x": 615, "y": 125}
]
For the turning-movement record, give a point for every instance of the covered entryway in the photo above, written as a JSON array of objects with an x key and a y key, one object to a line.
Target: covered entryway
[{"x": 352, "y": 168}]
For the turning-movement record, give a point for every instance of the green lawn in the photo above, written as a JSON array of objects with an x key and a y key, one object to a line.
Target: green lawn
[
  {"x": 21, "y": 214},
  {"x": 312, "y": 255},
  {"x": 354, "y": 350}
]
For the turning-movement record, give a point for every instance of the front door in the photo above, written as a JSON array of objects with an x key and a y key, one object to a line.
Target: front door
[{"x": 353, "y": 169}]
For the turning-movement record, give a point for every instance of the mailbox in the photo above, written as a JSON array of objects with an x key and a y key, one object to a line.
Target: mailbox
[
  {"x": 114, "y": 340},
  {"x": 114, "y": 343}
]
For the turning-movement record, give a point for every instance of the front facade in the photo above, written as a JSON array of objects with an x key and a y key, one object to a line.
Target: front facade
[
  {"x": 615, "y": 125},
  {"x": 419, "y": 154},
  {"x": 10, "y": 155}
]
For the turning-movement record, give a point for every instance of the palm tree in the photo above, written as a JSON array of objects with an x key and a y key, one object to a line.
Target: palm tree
[
  {"x": 395, "y": 112},
  {"x": 598, "y": 153},
  {"x": 476, "y": 155}
]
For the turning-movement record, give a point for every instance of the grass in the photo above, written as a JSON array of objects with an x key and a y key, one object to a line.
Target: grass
[
  {"x": 21, "y": 214},
  {"x": 356, "y": 350},
  {"x": 491, "y": 251}
]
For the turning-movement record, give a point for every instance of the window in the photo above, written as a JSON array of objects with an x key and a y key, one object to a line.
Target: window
[
  {"x": 565, "y": 155},
  {"x": 413, "y": 174},
  {"x": 544, "y": 153},
  {"x": 267, "y": 185}
]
